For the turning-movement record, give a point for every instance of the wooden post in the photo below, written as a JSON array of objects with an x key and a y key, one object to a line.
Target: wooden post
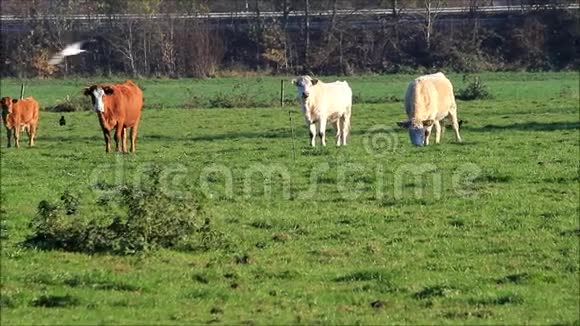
[
  {"x": 22, "y": 91},
  {"x": 282, "y": 93}
]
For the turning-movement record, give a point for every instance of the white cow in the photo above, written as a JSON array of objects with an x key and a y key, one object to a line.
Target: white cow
[
  {"x": 322, "y": 102},
  {"x": 429, "y": 99}
]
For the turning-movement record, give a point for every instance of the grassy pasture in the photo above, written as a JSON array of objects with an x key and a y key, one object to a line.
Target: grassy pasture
[
  {"x": 487, "y": 232},
  {"x": 265, "y": 91}
]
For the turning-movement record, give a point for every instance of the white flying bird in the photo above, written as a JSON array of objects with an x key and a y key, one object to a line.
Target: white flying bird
[{"x": 71, "y": 49}]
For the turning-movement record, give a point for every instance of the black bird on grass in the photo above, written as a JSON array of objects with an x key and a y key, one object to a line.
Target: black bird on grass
[{"x": 62, "y": 121}]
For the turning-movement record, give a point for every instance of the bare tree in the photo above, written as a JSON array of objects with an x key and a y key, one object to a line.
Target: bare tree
[
  {"x": 431, "y": 13},
  {"x": 397, "y": 10},
  {"x": 332, "y": 23},
  {"x": 306, "y": 33},
  {"x": 123, "y": 43},
  {"x": 286, "y": 13},
  {"x": 259, "y": 32},
  {"x": 168, "y": 55},
  {"x": 474, "y": 13}
]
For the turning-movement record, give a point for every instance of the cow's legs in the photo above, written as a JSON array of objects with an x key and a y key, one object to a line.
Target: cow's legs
[
  {"x": 312, "y": 133},
  {"x": 455, "y": 125},
  {"x": 338, "y": 131},
  {"x": 134, "y": 137},
  {"x": 427, "y": 134},
  {"x": 345, "y": 127},
  {"x": 119, "y": 138},
  {"x": 9, "y": 136},
  {"x": 16, "y": 133},
  {"x": 124, "y": 137},
  {"x": 437, "y": 131},
  {"x": 28, "y": 131},
  {"x": 107, "y": 140},
  {"x": 31, "y": 134},
  {"x": 322, "y": 131}
]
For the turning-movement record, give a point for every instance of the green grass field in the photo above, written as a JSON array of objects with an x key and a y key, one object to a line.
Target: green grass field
[{"x": 485, "y": 232}]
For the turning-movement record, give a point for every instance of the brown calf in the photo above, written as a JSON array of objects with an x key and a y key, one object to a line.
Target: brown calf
[{"x": 17, "y": 114}]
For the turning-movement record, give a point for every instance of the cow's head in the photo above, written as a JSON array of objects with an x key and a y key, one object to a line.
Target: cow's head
[
  {"x": 416, "y": 130},
  {"x": 97, "y": 92},
  {"x": 6, "y": 103},
  {"x": 303, "y": 85}
]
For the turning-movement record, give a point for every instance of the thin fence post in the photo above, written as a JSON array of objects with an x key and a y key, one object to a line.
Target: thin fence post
[
  {"x": 292, "y": 131},
  {"x": 22, "y": 91},
  {"x": 289, "y": 118},
  {"x": 282, "y": 93}
]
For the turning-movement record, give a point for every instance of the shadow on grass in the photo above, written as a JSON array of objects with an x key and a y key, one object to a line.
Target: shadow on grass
[
  {"x": 73, "y": 138},
  {"x": 503, "y": 299},
  {"x": 440, "y": 290},
  {"x": 55, "y": 301},
  {"x": 513, "y": 278},
  {"x": 225, "y": 136},
  {"x": 87, "y": 281},
  {"x": 364, "y": 275},
  {"x": 171, "y": 137},
  {"x": 286, "y": 133},
  {"x": 532, "y": 126}
]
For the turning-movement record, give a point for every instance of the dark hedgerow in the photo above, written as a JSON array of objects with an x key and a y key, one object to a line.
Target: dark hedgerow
[{"x": 145, "y": 218}]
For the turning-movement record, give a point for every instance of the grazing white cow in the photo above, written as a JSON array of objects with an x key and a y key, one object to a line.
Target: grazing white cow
[
  {"x": 322, "y": 102},
  {"x": 429, "y": 99}
]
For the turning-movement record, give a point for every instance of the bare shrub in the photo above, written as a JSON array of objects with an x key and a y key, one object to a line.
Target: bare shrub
[{"x": 71, "y": 104}]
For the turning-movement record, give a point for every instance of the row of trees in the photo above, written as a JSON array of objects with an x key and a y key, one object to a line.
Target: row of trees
[{"x": 175, "y": 37}]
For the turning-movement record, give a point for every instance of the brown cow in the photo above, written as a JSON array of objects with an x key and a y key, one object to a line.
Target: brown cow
[
  {"x": 118, "y": 107},
  {"x": 17, "y": 114}
]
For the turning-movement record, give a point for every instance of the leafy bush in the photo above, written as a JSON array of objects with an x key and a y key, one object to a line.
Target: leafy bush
[
  {"x": 238, "y": 100},
  {"x": 74, "y": 104},
  {"x": 475, "y": 90},
  {"x": 221, "y": 100},
  {"x": 136, "y": 218}
]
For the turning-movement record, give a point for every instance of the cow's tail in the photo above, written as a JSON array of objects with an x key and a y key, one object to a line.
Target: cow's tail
[{"x": 36, "y": 111}]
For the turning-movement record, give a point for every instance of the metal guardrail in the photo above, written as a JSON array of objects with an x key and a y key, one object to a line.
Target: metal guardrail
[{"x": 276, "y": 14}]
